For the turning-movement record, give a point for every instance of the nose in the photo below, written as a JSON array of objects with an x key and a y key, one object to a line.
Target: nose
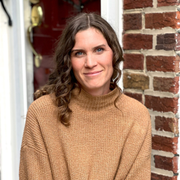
[{"x": 90, "y": 61}]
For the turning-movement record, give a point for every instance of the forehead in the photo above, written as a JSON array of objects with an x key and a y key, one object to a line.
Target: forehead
[{"x": 89, "y": 36}]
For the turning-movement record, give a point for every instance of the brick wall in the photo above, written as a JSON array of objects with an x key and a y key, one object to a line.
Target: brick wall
[{"x": 151, "y": 74}]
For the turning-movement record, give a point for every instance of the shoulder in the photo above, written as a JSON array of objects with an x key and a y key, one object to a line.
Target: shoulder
[
  {"x": 38, "y": 118},
  {"x": 42, "y": 104},
  {"x": 42, "y": 114},
  {"x": 128, "y": 103},
  {"x": 133, "y": 110}
]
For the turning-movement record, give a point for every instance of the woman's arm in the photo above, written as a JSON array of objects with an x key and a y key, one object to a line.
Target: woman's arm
[
  {"x": 135, "y": 160},
  {"x": 34, "y": 162},
  {"x": 141, "y": 167}
]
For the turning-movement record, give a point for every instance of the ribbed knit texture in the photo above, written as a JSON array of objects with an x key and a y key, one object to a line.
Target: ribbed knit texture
[{"x": 109, "y": 138}]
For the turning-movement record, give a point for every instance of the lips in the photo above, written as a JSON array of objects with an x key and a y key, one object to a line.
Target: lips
[{"x": 94, "y": 73}]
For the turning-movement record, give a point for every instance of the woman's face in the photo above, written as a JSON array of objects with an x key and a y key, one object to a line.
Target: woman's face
[{"x": 92, "y": 59}]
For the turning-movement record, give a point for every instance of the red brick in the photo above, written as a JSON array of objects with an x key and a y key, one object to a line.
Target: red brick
[
  {"x": 165, "y": 144},
  {"x": 135, "y": 96},
  {"x": 161, "y": 104},
  {"x": 166, "y": 84},
  {"x": 166, "y": 163},
  {"x": 133, "y": 61},
  {"x": 166, "y": 124},
  {"x": 168, "y": 42},
  {"x": 135, "y": 81},
  {"x": 163, "y": 63},
  {"x": 131, "y": 4},
  {"x": 137, "y": 41},
  {"x": 161, "y": 177},
  {"x": 132, "y": 21},
  {"x": 167, "y": 3},
  {"x": 161, "y": 20}
]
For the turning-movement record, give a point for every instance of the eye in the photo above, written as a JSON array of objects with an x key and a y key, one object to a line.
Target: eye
[
  {"x": 99, "y": 50},
  {"x": 79, "y": 53}
]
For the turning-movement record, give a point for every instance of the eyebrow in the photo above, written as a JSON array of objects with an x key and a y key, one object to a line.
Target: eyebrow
[{"x": 101, "y": 45}]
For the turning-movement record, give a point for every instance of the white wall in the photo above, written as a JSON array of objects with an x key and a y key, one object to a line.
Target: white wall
[
  {"x": 112, "y": 11},
  {"x": 13, "y": 79}
]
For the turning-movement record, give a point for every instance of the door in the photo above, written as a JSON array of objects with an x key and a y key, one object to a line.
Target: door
[{"x": 55, "y": 14}]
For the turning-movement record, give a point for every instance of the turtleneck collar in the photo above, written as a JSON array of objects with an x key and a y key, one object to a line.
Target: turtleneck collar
[{"x": 89, "y": 102}]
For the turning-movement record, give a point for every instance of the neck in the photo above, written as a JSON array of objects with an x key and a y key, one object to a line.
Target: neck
[
  {"x": 97, "y": 92},
  {"x": 91, "y": 102}
]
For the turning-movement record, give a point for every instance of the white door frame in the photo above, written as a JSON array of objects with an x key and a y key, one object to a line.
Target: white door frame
[
  {"x": 112, "y": 11},
  {"x": 14, "y": 68}
]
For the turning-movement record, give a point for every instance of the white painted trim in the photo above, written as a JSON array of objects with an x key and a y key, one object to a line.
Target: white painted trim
[
  {"x": 112, "y": 11},
  {"x": 6, "y": 100},
  {"x": 120, "y": 10},
  {"x": 13, "y": 78},
  {"x": 23, "y": 54}
]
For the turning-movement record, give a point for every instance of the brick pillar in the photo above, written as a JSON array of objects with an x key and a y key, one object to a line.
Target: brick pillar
[{"x": 151, "y": 74}]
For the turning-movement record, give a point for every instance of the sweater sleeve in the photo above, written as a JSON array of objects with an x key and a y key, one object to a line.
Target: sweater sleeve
[
  {"x": 34, "y": 162},
  {"x": 135, "y": 161},
  {"x": 141, "y": 167}
]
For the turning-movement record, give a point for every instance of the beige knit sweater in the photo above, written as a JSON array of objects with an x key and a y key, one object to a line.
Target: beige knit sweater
[{"x": 105, "y": 141}]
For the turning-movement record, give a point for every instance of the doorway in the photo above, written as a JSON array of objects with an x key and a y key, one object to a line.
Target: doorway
[{"x": 45, "y": 36}]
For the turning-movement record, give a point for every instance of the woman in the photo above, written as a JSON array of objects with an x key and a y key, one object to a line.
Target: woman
[{"x": 83, "y": 126}]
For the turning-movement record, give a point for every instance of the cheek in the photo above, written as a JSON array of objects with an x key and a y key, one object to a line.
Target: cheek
[
  {"x": 76, "y": 66},
  {"x": 74, "y": 63},
  {"x": 110, "y": 65},
  {"x": 110, "y": 62}
]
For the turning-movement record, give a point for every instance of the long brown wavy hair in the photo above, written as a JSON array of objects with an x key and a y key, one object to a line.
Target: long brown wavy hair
[{"x": 62, "y": 80}]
